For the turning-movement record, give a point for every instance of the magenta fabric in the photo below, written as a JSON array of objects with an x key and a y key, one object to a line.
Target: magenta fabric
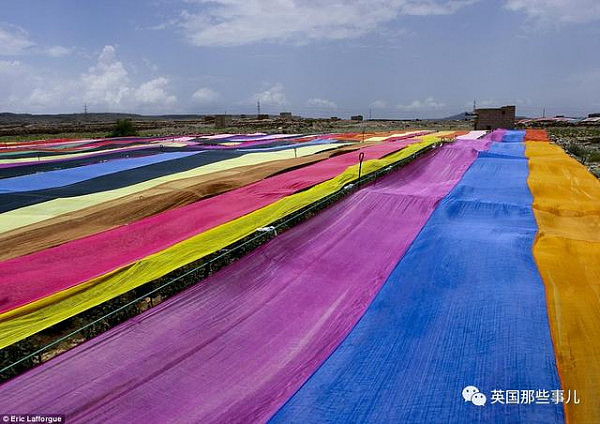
[
  {"x": 496, "y": 136},
  {"x": 235, "y": 347},
  {"x": 31, "y": 277}
]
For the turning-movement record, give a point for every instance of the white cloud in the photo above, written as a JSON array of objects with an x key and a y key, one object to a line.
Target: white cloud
[
  {"x": 106, "y": 86},
  {"x": 48, "y": 96},
  {"x": 14, "y": 40},
  {"x": 321, "y": 103},
  {"x": 272, "y": 96},
  {"x": 205, "y": 96},
  {"x": 10, "y": 67},
  {"x": 379, "y": 104},
  {"x": 107, "y": 82},
  {"x": 428, "y": 104},
  {"x": 24, "y": 88},
  {"x": 58, "y": 51},
  {"x": 13, "y": 80},
  {"x": 554, "y": 11},
  {"x": 432, "y": 7},
  {"x": 154, "y": 92},
  {"x": 239, "y": 22}
]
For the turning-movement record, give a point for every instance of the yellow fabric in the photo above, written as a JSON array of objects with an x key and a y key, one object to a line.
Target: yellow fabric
[
  {"x": 566, "y": 204},
  {"x": 31, "y": 318},
  {"x": 385, "y": 137},
  {"x": 39, "y": 212}
]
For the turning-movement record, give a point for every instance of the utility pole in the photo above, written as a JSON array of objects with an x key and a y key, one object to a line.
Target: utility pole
[
  {"x": 474, "y": 105},
  {"x": 544, "y": 113},
  {"x": 85, "y": 110},
  {"x": 257, "y": 108},
  {"x": 369, "y": 114}
]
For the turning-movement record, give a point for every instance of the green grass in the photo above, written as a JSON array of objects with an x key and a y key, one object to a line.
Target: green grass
[
  {"x": 577, "y": 132},
  {"x": 593, "y": 157},
  {"x": 576, "y": 149}
]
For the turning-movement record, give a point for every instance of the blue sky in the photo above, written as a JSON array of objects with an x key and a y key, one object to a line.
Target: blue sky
[{"x": 394, "y": 58}]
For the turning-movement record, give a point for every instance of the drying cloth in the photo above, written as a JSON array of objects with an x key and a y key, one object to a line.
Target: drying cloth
[
  {"x": 464, "y": 307},
  {"x": 566, "y": 203},
  {"x": 197, "y": 241},
  {"x": 245, "y": 339},
  {"x": 61, "y": 178},
  {"x": 124, "y": 210},
  {"x": 46, "y": 210}
]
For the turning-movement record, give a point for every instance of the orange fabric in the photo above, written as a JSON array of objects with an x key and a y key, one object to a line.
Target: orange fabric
[
  {"x": 536, "y": 135},
  {"x": 566, "y": 204}
]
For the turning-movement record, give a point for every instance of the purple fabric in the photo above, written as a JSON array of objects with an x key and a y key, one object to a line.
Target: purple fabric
[
  {"x": 235, "y": 347},
  {"x": 495, "y": 136}
]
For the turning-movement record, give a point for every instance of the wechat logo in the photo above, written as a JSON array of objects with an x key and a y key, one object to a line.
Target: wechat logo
[{"x": 473, "y": 395}]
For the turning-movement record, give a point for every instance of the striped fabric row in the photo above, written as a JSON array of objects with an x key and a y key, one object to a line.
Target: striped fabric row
[
  {"x": 246, "y": 339},
  {"x": 43, "y": 287},
  {"x": 432, "y": 295}
]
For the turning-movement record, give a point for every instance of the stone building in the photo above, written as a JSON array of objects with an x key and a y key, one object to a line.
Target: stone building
[
  {"x": 222, "y": 121},
  {"x": 493, "y": 118}
]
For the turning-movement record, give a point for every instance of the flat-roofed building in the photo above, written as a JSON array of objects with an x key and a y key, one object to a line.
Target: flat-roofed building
[{"x": 494, "y": 118}]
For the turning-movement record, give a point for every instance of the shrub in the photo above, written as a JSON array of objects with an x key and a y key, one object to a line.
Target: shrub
[
  {"x": 593, "y": 157},
  {"x": 576, "y": 150},
  {"x": 123, "y": 128}
]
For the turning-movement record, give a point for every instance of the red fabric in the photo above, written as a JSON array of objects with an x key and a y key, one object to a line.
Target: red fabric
[{"x": 536, "y": 135}]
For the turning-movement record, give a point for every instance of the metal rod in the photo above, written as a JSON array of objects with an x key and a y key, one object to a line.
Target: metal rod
[{"x": 361, "y": 156}]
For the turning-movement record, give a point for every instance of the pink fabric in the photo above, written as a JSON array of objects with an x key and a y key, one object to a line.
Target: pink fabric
[
  {"x": 235, "y": 347},
  {"x": 40, "y": 274}
]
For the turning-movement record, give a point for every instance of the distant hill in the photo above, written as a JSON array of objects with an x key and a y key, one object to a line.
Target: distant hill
[
  {"x": 459, "y": 117},
  {"x": 468, "y": 115},
  {"x": 26, "y": 118}
]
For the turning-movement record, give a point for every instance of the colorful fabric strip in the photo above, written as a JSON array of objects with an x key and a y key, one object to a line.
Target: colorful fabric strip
[
  {"x": 32, "y": 317},
  {"x": 464, "y": 307},
  {"x": 566, "y": 204},
  {"x": 245, "y": 339},
  {"x": 21, "y": 217}
]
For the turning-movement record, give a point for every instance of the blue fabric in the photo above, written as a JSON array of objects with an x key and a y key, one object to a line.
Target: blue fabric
[
  {"x": 512, "y": 136},
  {"x": 464, "y": 306},
  {"x": 64, "y": 177},
  {"x": 507, "y": 149}
]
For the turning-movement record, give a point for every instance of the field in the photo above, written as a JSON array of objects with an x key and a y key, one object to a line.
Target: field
[
  {"x": 583, "y": 143},
  {"x": 304, "y": 271}
]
